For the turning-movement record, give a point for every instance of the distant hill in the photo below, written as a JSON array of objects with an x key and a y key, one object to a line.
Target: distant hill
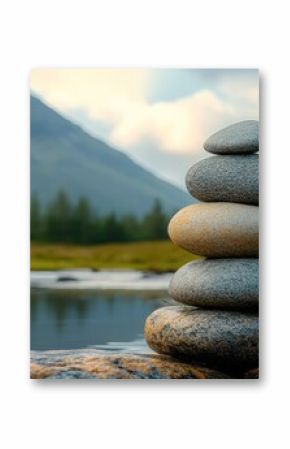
[{"x": 64, "y": 156}]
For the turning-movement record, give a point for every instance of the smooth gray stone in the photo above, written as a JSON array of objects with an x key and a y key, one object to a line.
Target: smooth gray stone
[
  {"x": 225, "y": 178},
  {"x": 223, "y": 339},
  {"x": 218, "y": 283},
  {"x": 239, "y": 138}
]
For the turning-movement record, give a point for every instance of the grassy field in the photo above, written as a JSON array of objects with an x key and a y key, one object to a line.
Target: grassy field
[{"x": 157, "y": 256}]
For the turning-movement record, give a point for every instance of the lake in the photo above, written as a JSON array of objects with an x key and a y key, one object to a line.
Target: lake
[{"x": 99, "y": 319}]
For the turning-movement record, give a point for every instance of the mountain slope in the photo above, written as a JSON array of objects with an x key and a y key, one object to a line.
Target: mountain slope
[{"x": 63, "y": 156}]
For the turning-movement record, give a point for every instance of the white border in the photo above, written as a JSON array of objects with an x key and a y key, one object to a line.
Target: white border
[{"x": 158, "y": 34}]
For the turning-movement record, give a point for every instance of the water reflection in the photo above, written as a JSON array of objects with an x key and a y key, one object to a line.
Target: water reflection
[{"x": 81, "y": 319}]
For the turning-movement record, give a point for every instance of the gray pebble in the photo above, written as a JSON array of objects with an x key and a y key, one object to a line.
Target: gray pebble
[
  {"x": 225, "y": 178},
  {"x": 218, "y": 283},
  {"x": 239, "y": 138}
]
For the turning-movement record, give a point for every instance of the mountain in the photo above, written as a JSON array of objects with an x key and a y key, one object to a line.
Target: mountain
[{"x": 64, "y": 156}]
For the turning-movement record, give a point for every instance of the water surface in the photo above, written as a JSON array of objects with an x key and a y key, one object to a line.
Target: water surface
[{"x": 75, "y": 319}]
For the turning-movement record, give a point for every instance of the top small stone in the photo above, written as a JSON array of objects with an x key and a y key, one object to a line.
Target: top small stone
[{"x": 239, "y": 138}]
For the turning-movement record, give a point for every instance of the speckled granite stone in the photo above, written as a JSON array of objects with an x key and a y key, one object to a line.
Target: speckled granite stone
[
  {"x": 217, "y": 229},
  {"x": 218, "y": 283},
  {"x": 120, "y": 366},
  {"x": 225, "y": 339},
  {"x": 225, "y": 178},
  {"x": 239, "y": 138}
]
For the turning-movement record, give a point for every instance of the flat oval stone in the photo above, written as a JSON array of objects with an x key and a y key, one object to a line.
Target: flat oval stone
[
  {"x": 218, "y": 283},
  {"x": 225, "y": 178},
  {"x": 217, "y": 229},
  {"x": 239, "y": 138},
  {"x": 217, "y": 338}
]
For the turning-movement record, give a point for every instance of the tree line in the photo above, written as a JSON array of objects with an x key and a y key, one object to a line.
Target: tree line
[{"x": 65, "y": 222}]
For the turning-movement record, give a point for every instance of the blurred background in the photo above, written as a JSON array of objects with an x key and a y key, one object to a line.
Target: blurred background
[{"x": 109, "y": 152}]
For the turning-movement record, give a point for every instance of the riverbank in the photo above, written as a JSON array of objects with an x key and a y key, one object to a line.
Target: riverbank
[
  {"x": 157, "y": 256},
  {"x": 87, "y": 279}
]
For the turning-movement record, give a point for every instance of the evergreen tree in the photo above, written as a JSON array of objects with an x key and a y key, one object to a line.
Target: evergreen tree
[
  {"x": 82, "y": 222},
  {"x": 131, "y": 228},
  {"x": 112, "y": 229},
  {"x": 97, "y": 231},
  {"x": 155, "y": 223},
  {"x": 35, "y": 219},
  {"x": 58, "y": 219},
  {"x": 64, "y": 223}
]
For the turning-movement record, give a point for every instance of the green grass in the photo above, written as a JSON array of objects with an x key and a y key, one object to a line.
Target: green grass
[{"x": 157, "y": 256}]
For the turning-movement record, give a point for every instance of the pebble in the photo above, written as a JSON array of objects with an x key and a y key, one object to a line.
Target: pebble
[
  {"x": 218, "y": 283},
  {"x": 239, "y": 138},
  {"x": 217, "y": 229},
  {"x": 225, "y": 178}
]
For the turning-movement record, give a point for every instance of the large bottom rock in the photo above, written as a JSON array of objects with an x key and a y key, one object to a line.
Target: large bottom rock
[
  {"x": 223, "y": 339},
  {"x": 120, "y": 366}
]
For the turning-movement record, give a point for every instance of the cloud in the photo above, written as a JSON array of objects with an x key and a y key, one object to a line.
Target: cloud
[
  {"x": 118, "y": 98},
  {"x": 100, "y": 92},
  {"x": 181, "y": 126},
  {"x": 178, "y": 126},
  {"x": 243, "y": 88},
  {"x": 170, "y": 112}
]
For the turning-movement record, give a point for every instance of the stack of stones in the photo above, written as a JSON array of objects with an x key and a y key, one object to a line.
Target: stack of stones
[{"x": 217, "y": 321}]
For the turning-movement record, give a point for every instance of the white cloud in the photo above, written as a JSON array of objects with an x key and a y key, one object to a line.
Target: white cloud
[
  {"x": 118, "y": 97},
  {"x": 101, "y": 92},
  {"x": 178, "y": 126}
]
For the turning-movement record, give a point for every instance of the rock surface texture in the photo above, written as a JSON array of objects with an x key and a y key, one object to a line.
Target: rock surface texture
[
  {"x": 217, "y": 325},
  {"x": 239, "y": 138},
  {"x": 218, "y": 338},
  {"x": 120, "y": 366},
  {"x": 218, "y": 283},
  {"x": 217, "y": 229},
  {"x": 225, "y": 178}
]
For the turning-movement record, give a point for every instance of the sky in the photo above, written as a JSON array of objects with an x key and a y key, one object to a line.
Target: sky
[{"x": 159, "y": 117}]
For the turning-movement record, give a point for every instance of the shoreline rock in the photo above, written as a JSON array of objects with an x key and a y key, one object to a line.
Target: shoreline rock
[{"x": 122, "y": 366}]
